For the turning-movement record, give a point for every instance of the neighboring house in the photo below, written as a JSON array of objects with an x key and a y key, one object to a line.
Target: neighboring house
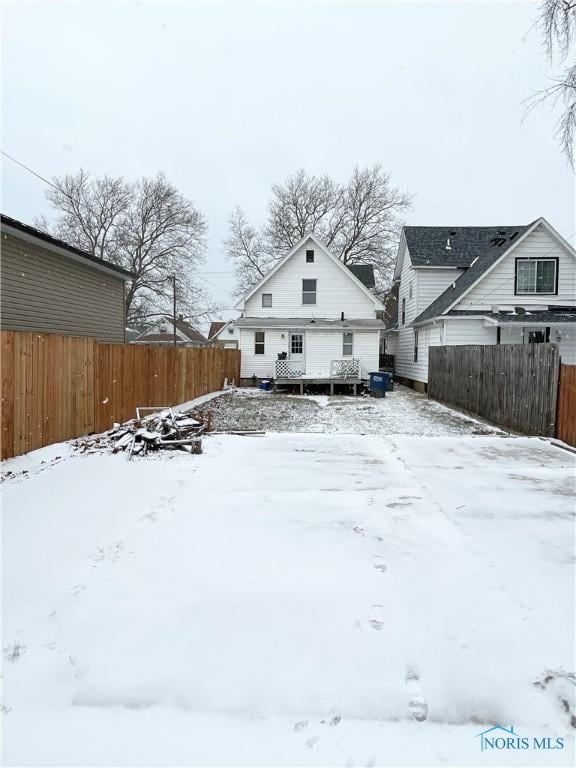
[
  {"x": 224, "y": 334},
  {"x": 481, "y": 285},
  {"x": 163, "y": 333},
  {"x": 50, "y": 286},
  {"x": 316, "y": 313}
]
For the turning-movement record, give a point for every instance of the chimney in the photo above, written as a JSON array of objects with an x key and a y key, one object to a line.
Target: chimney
[
  {"x": 448, "y": 246},
  {"x": 342, "y": 316},
  {"x": 180, "y": 317}
]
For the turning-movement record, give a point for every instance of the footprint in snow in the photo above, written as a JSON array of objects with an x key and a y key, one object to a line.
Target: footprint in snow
[
  {"x": 396, "y": 504},
  {"x": 376, "y": 619},
  {"x": 312, "y": 741},
  {"x": 417, "y": 704},
  {"x": 301, "y": 725},
  {"x": 332, "y": 721},
  {"x": 379, "y": 565},
  {"x": 14, "y": 651}
]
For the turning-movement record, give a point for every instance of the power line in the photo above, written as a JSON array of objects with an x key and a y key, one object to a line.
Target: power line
[
  {"x": 26, "y": 168},
  {"x": 209, "y": 282}
]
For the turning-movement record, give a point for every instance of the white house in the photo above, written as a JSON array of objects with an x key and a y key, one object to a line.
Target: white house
[
  {"x": 311, "y": 318},
  {"x": 224, "y": 334},
  {"x": 166, "y": 328},
  {"x": 481, "y": 285}
]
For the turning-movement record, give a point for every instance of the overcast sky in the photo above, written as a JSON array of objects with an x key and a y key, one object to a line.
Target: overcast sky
[{"x": 227, "y": 98}]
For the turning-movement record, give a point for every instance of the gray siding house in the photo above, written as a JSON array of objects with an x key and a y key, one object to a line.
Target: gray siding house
[{"x": 52, "y": 287}]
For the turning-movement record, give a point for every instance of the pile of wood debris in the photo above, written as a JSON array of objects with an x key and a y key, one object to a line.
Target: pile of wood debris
[{"x": 158, "y": 431}]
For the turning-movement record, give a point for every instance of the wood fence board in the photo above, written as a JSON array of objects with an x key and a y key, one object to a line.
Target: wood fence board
[
  {"x": 55, "y": 387},
  {"x": 513, "y": 385},
  {"x": 566, "y": 405},
  {"x": 7, "y": 394}
]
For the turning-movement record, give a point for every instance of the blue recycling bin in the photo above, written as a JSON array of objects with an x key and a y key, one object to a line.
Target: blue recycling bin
[
  {"x": 266, "y": 385},
  {"x": 389, "y": 380},
  {"x": 378, "y": 384}
]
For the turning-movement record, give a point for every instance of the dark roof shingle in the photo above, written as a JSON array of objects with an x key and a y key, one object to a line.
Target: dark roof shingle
[
  {"x": 474, "y": 249},
  {"x": 364, "y": 273},
  {"x": 215, "y": 327},
  {"x": 428, "y": 245}
]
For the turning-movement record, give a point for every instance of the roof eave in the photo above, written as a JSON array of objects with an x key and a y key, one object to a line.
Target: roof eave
[{"x": 68, "y": 251}]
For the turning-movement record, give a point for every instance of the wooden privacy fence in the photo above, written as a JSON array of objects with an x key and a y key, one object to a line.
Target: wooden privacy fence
[
  {"x": 58, "y": 387},
  {"x": 513, "y": 385},
  {"x": 566, "y": 412}
]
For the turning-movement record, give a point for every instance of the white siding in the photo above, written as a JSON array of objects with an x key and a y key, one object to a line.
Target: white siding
[
  {"x": 321, "y": 347},
  {"x": 497, "y": 287},
  {"x": 426, "y": 286},
  {"x": 428, "y": 335},
  {"x": 473, "y": 331},
  {"x": 336, "y": 291},
  {"x": 262, "y": 366},
  {"x": 324, "y": 346},
  {"x": 408, "y": 277},
  {"x": 433, "y": 282}
]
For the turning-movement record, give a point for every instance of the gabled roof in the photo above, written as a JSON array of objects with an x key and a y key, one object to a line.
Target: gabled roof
[
  {"x": 185, "y": 329},
  {"x": 31, "y": 234},
  {"x": 490, "y": 253},
  {"x": 457, "y": 246},
  {"x": 215, "y": 327},
  {"x": 364, "y": 273},
  {"x": 334, "y": 258}
]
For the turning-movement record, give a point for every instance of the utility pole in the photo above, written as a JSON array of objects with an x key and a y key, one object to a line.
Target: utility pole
[{"x": 174, "y": 305}]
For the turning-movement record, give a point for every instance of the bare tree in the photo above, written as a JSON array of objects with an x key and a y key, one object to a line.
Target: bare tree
[
  {"x": 358, "y": 221},
  {"x": 557, "y": 21},
  {"x": 301, "y": 205},
  {"x": 147, "y": 227},
  {"x": 246, "y": 249}
]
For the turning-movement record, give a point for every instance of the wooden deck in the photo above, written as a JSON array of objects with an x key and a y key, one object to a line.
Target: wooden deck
[{"x": 331, "y": 381}]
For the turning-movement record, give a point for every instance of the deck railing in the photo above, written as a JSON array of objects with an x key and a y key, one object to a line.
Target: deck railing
[
  {"x": 348, "y": 368},
  {"x": 289, "y": 369},
  {"x": 345, "y": 369}
]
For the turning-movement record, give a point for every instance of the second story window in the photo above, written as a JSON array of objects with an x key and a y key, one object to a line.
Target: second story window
[
  {"x": 259, "y": 343},
  {"x": 308, "y": 291},
  {"x": 537, "y": 276},
  {"x": 309, "y": 257},
  {"x": 403, "y": 311},
  {"x": 410, "y": 292},
  {"x": 266, "y": 299}
]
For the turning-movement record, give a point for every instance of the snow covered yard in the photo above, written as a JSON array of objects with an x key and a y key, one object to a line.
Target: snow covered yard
[
  {"x": 402, "y": 412},
  {"x": 294, "y": 599}
]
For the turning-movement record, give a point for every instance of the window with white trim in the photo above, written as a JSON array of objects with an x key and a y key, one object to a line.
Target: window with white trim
[
  {"x": 266, "y": 299},
  {"x": 308, "y": 291},
  {"x": 296, "y": 343},
  {"x": 347, "y": 344},
  {"x": 415, "y": 346},
  {"x": 310, "y": 257},
  {"x": 536, "y": 276},
  {"x": 259, "y": 342}
]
